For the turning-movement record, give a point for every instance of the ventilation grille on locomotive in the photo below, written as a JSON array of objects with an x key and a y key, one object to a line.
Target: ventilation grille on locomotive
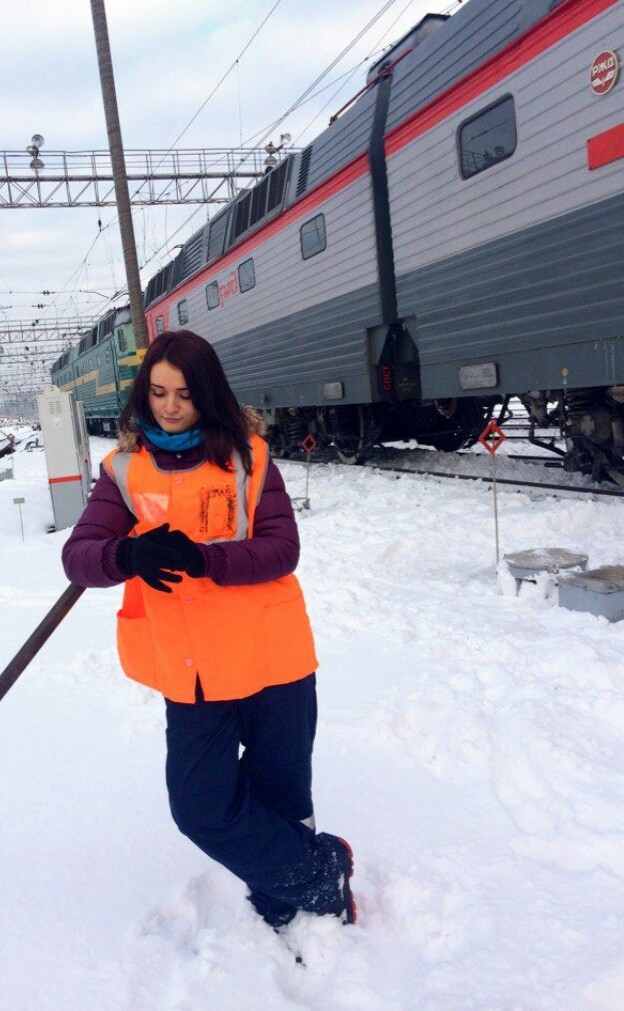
[
  {"x": 193, "y": 254},
  {"x": 149, "y": 294},
  {"x": 243, "y": 207},
  {"x": 277, "y": 184},
  {"x": 217, "y": 237},
  {"x": 304, "y": 169},
  {"x": 178, "y": 268},
  {"x": 259, "y": 200}
]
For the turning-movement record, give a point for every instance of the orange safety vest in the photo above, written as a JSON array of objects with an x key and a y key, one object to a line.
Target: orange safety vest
[{"x": 236, "y": 639}]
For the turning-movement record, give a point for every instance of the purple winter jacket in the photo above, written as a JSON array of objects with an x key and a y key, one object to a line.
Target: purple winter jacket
[{"x": 272, "y": 552}]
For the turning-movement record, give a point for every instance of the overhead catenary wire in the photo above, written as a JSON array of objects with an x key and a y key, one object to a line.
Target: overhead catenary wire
[
  {"x": 102, "y": 228},
  {"x": 226, "y": 74},
  {"x": 234, "y": 64},
  {"x": 240, "y": 108},
  {"x": 447, "y": 10},
  {"x": 295, "y": 105},
  {"x": 267, "y": 130},
  {"x": 302, "y": 99},
  {"x": 307, "y": 95},
  {"x": 194, "y": 117},
  {"x": 198, "y": 210},
  {"x": 337, "y": 92}
]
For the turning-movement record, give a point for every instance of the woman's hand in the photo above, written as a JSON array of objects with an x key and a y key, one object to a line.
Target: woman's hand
[
  {"x": 151, "y": 558},
  {"x": 192, "y": 559}
]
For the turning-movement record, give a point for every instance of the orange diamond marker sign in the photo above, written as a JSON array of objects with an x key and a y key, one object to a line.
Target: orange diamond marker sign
[
  {"x": 492, "y": 437},
  {"x": 309, "y": 443}
]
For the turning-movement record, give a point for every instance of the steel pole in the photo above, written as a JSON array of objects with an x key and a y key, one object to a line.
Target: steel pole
[
  {"x": 42, "y": 633},
  {"x": 120, "y": 177}
]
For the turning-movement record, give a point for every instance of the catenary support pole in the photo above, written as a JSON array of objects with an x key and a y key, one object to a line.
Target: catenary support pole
[
  {"x": 120, "y": 177},
  {"x": 40, "y": 636}
]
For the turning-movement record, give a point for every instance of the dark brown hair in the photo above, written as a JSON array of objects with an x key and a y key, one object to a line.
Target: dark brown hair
[{"x": 221, "y": 414}]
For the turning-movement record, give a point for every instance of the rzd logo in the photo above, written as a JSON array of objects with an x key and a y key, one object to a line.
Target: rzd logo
[{"x": 604, "y": 72}]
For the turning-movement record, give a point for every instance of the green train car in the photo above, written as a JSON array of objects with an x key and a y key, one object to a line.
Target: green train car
[{"x": 100, "y": 369}]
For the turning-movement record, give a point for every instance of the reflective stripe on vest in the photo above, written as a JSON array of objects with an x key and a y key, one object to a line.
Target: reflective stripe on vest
[
  {"x": 118, "y": 464},
  {"x": 236, "y": 639}
]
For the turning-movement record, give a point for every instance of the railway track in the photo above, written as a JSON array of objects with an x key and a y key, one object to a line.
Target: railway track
[
  {"x": 546, "y": 487},
  {"x": 414, "y": 462}
]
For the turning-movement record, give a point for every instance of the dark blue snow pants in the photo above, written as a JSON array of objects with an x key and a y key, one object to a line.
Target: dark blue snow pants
[{"x": 247, "y": 810}]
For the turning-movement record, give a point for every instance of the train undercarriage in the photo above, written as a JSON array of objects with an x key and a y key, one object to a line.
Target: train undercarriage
[
  {"x": 584, "y": 427},
  {"x": 591, "y": 421},
  {"x": 102, "y": 426},
  {"x": 353, "y": 431}
]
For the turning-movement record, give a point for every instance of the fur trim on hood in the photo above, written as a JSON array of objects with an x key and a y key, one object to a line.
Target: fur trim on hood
[{"x": 256, "y": 425}]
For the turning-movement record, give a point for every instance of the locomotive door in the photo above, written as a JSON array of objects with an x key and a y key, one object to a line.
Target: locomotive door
[{"x": 116, "y": 374}]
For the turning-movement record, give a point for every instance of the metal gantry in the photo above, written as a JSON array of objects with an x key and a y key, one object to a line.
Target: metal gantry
[
  {"x": 85, "y": 178},
  {"x": 29, "y": 347}
]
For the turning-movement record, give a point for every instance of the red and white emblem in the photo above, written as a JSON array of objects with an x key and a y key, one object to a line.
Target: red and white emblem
[{"x": 604, "y": 72}]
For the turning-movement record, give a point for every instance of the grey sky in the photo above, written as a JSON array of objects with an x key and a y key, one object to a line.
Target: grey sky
[{"x": 167, "y": 57}]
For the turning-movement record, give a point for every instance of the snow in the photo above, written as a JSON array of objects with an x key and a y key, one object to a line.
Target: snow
[{"x": 469, "y": 748}]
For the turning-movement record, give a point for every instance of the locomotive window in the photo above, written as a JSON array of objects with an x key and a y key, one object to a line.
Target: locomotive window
[
  {"x": 246, "y": 275},
  {"x": 121, "y": 340},
  {"x": 160, "y": 324},
  {"x": 212, "y": 295},
  {"x": 313, "y": 237},
  {"x": 487, "y": 138},
  {"x": 183, "y": 314}
]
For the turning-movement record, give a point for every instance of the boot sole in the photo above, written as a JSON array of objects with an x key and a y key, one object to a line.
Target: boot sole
[{"x": 350, "y": 903}]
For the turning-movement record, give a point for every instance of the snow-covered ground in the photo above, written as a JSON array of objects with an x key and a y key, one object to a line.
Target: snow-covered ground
[{"x": 470, "y": 747}]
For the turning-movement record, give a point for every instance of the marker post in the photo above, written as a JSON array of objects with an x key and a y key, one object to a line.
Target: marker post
[
  {"x": 308, "y": 445},
  {"x": 491, "y": 438},
  {"x": 20, "y": 502}
]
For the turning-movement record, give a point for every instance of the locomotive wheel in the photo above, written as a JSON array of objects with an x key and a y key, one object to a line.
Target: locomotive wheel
[
  {"x": 351, "y": 448},
  {"x": 278, "y": 444},
  {"x": 461, "y": 428}
]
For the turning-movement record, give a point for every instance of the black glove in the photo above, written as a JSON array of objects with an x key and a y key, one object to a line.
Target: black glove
[
  {"x": 192, "y": 558},
  {"x": 147, "y": 557}
]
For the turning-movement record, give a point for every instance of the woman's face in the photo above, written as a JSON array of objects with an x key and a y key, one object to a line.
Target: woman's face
[{"x": 169, "y": 399}]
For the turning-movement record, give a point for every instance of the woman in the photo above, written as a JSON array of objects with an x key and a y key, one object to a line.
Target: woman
[{"x": 193, "y": 515}]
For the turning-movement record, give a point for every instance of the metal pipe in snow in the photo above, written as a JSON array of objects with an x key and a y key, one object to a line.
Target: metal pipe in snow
[{"x": 39, "y": 637}]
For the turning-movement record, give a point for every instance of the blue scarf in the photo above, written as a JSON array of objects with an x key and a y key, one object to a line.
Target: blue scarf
[{"x": 172, "y": 441}]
